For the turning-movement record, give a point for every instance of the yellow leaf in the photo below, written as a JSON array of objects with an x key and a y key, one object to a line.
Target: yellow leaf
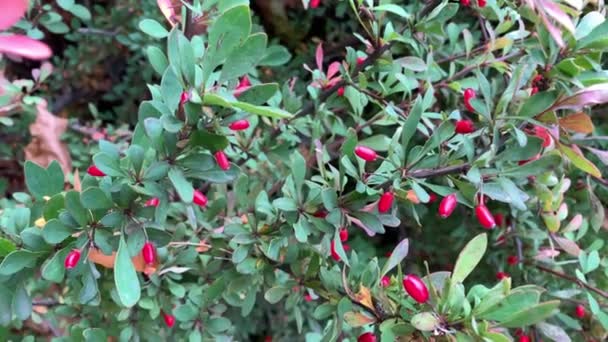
[
  {"x": 411, "y": 196},
  {"x": 357, "y": 319},
  {"x": 107, "y": 261},
  {"x": 40, "y": 223},
  {"x": 364, "y": 296},
  {"x": 576, "y": 157},
  {"x": 579, "y": 122}
]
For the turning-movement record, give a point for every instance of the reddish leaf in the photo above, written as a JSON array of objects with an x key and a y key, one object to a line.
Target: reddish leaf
[
  {"x": 595, "y": 94},
  {"x": 12, "y": 11},
  {"x": 578, "y": 160},
  {"x": 24, "y": 47},
  {"x": 579, "y": 122},
  {"x": 568, "y": 246}
]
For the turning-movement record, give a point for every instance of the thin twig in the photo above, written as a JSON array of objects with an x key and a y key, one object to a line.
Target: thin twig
[{"x": 572, "y": 279}]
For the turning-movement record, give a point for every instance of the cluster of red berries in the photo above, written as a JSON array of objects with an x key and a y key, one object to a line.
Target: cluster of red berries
[
  {"x": 537, "y": 82},
  {"x": 480, "y": 3},
  {"x": 484, "y": 215}
]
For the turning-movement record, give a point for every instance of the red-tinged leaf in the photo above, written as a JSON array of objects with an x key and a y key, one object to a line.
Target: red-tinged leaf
[
  {"x": 555, "y": 32},
  {"x": 574, "y": 224},
  {"x": 171, "y": 10},
  {"x": 24, "y": 47},
  {"x": 568, "y": 246},
  {"x": 319, "y": 56},
  {"x": 579, "y": 122},
  {"x": 602, "y": 155},
  {"x": 333, "y": 69},
  {"x": 576, "y": 157},
  {"x": 595, "y": 94},
  {"x": 546, "y": 253},
  {"x": 553, "y": 10},
  {"x": 12, "y": 11},
  {"x": 358, "y": 319}
]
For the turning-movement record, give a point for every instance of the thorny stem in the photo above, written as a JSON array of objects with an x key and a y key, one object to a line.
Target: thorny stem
[{"x": 571, "y": 278}]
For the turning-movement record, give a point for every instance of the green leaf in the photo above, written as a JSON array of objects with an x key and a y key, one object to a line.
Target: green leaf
[
  {"x": 275, "y": 55},
  {"x": 580, "y": 161},
  {"x": 392, "y": 8},
  {"x": 44, "y": 182},
  {"x": 210, "y": 141},
  {"x": 538, "y": 103},
  {"x": 22, "y": 304},
  {"x": 258, "y": 94},
  {"x": 108, "y": 164},
  {"x": 229, "y": 30},
  {"x": 157, "y": 59},
  {"x": 411, "y": 123},
  {"x": 55, "y": 232},
  {"x": 53, "y": 269},
  {"x": 546, "y": 163},
  {"x": 245, "y": 57},
  {"x": 6, "y": 246},
  {"x": 95, "y": 198},
  {"x": 399, "y": 253},
  {"x": 153, "y": 28},
  {"x": 95, "y": 335},
  {"x": 15, "y": 261},
  {"x": 181, "y": 185},
  {"x": 171, "y": 89},
  {"x": 214, "y": 99},
  {"x": 53, "y": 207},
  {"x": 469, "y": 257},
  {"x": 369, "y": 222},
  {"x": 425, "y": 321},
  {"x": 81, "y": 12},
  {"x": 531, "y": 316},
  {"x": 596, "y": 39},
  {"x": 275, "y": 294},
  {"x": 125, "y": 277}
]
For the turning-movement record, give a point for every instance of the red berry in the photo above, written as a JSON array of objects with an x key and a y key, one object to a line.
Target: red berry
[
  {"x": 222, "y": 160},
  {"x": 501, "y": 275},
  {"x": 464, "y": 127},
  {"x": 343, "y": 234},
  {"x": 524, "y": 338},
  {"x": 385, "y": 281},
  {"x": 512, "y": 260},
  {"x": 320, "y": 214},
  {"x": 484, "y": 216},
  {"x": 469, "y": 94},
  {"x": 332, "y": 251},
  {"x": 244, "y": 82},
  {"x": 308, "y": 297},
  {"x": 499, "y": 219},
  {"x": 152, "y": 202},
  {"x": 447, "y": 205},
  {"x": 169, "y": 320},
  {"x": 543, "y": 133},
  {"x": 534, "y": 90},
  {"x": 71, "y": 260},
  {"x": 268, "y": 339},
  {"x": 341, "y": 91},
  {"x": 360, "y": 60},
  {"x": 432, "y": 197},
  {"x": 481, "y": 3},
  {"x": 415, "y": 287},
  {"x": 465, "y": 2},
  {"x": 522, "y": 162},
  {"x": 185, "y": 97},
  {"x": 386, "y": 202},
  {"x": 149, "y": 253},
  {"x": 239, "y": 125},
  {"x": 95, "y": 172},
  {"x": 199, "y": 199},
  {"x": 315, "y": 3},
  {"x": 519, "y": 332},
  {"x": 366, "y": 153},
  {"x": 580, "y": 311},
  {"x": 537, "y": 79},
  {"x": 367, "y": 337}
]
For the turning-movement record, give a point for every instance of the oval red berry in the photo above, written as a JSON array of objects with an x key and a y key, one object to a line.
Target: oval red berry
[
  {"x": 367, "y": 337},
  {"x": 71, "y": 260},
  {"x": 199, "y": 199},
  {"x": 239, "y": 125},
  {"x": 366, "y": 153},
  {"x": 484, "y": 216},
  {"x": 222, "y": 160},
  {"x": 386, "y": 202},
  {"x": 447, "y": 205},
  {"x": 95, "y": 172},
  {"x": 415, "y": 287},
  {"x": 149, "y": 253}
]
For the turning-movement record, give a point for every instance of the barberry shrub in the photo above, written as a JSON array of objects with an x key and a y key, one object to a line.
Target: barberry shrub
[{"x": 438, "y": 180}]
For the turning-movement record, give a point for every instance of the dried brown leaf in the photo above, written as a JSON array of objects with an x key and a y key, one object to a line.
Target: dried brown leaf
[
  {"x": 579, "y": 122},
  {"x": 46, "y": 144}
]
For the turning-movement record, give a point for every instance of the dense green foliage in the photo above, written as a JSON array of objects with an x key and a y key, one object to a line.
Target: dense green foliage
[{"x": 380, "y": 141}]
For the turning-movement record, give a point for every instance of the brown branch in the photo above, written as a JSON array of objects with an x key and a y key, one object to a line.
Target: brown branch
[
  {"x": 572, "y": 279},
  {"x": 428, "y": 173}
]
